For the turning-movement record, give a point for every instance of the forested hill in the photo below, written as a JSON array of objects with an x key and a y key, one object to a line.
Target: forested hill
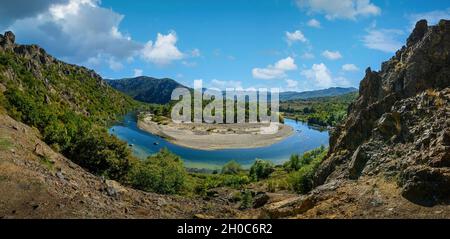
[
  {"x": 334, "y": 91},
  {"x": 31, "y": 80},
  {"x": 147, "y": 89},
  {"x": 69, "y": 105}
]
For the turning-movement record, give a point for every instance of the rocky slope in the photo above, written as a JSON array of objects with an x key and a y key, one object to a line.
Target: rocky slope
[
  {"x": 404, "y": 108},
  {"x": 36, "y": 182},
  {"x": 391, "y": 158}
]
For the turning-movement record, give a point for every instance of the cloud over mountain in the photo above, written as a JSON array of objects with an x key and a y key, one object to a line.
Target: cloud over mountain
[{"x": 276, "y": 71}]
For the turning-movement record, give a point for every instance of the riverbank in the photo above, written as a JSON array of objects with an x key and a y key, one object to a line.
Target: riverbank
[
  {"x": 214, "y": 136},
  {"x": 314, "y": 126}
]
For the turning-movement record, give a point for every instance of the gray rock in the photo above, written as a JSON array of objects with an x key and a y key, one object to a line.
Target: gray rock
[
  {"x": 260, "y": 199},
  {"x": 358, "y": 162}
]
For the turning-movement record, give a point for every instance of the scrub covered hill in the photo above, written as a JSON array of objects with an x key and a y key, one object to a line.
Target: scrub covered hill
[{"x": 69, "y": 105}]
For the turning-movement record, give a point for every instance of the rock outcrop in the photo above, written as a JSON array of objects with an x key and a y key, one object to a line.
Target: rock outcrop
[{"x": 399, "y": 127}]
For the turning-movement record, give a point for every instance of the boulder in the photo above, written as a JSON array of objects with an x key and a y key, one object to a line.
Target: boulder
[
  {"x": 425, "y": 185},
  {"x": 114, "y": 189},
  {"x": 389, "y": 125},
  {"x": 358, "y": 162},
  {"x": 260, "y": 199},
  {"x": 289, "y": 207},
  {"x": 7, "y": 41}
]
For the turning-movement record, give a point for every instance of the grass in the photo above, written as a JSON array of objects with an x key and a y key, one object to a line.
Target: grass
[
  {"x": 45, "y": 160},
  {"x": 5, "y": 144},
  {"x": 3, "y": 178}
]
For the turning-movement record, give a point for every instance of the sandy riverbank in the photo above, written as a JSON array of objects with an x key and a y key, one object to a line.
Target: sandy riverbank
[{"x": 214, "y": 136}]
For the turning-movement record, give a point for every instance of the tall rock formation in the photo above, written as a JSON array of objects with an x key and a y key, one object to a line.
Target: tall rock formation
[{"x": 399, "y": 127}]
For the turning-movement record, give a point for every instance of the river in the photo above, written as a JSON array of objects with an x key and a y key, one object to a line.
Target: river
[{"x": 144, "y": 144}]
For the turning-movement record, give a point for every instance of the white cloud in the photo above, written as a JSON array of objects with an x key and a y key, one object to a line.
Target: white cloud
[
  {"x": 342, "y": 9},
  {"x": 138, "y": 72},
  {"x": 386, "y": 40},
  {"x": 432, "y": 17},
  {"x": 79, "y": 31},
  {"x": 291, "y": 84},
  {"x": 164, "y": 50},
  {"x": 276, "y": 71},
  {"x": 332, "y": 55},
  {"x": 314, "y": 23},
  {"x": 350, "y": 67},
  {"x": 297, "y": 36},
  {"x": 114, "y": 64},
  {"x": 287, "y": 64},
  {"x": 83, "y": 32},
  {"x": 269, "y": 73},
  {"x": 321, "y": 77}
]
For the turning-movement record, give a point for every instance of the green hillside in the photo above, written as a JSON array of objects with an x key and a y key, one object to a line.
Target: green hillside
[{"x": 147, "y": 89}]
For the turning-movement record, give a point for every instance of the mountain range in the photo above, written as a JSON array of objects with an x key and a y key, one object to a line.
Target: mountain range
[
  {"x": 158, "y": 91},
  {"x": 334, "y": 91}
]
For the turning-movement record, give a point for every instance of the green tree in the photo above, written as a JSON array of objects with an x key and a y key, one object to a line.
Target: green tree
[
  {"x": 161, "y": 173},
  {"x": 103, "y": 154},
  {"x": 232, "y": 168},
  {"x": 261, "y": 169},
  {"x": 301, "y": 179}
]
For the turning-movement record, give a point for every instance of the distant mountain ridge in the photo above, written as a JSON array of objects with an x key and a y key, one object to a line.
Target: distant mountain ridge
[
  {"x": 147, "y": 89},
  {"x": 158, "y": 91},
  {"x": 334, "y": 91}
]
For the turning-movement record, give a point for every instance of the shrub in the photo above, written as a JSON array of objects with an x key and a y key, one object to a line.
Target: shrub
[
  {"x": 296, "y": 162},
  {"x": 301, "y": 180},
  {"x": 205, "y": 182},
  {"x": 103, "y": 154},
  {"x": 246, "y": 199},
  {"x": 261, "y": 169},
  {"x": 161, "y": 173},
  {"x": 232, "y": 168}
]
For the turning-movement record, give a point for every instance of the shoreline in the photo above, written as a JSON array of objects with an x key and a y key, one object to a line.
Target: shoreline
[
  {"x": 214, "y": 136},
  {"x": 314, "y": 126}
]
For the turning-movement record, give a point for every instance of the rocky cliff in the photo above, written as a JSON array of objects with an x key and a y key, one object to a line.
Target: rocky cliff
[{"x": 399, "y": 127}]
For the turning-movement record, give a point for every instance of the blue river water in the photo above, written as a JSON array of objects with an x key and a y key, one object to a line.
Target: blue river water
[{"x": 143, "y": 144}]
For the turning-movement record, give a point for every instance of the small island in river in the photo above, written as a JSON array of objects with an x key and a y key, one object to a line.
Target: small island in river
[{"x": 214, "y": 136}]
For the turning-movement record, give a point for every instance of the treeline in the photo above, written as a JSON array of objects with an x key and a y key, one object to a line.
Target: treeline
[
  {"x": 326, "y": 111},
  {"x": 162, "y": 111}
]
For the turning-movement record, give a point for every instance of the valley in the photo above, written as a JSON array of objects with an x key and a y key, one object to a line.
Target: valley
[{"x": 73, "y": 146}]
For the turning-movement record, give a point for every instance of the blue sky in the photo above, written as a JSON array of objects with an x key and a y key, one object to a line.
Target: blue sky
[{"x": 290, "y": 44}]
